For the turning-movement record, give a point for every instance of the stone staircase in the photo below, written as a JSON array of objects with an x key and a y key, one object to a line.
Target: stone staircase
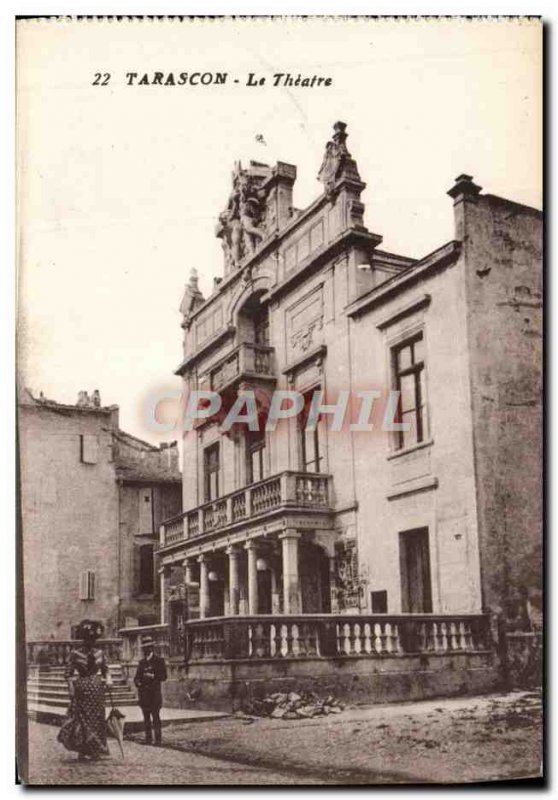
[{"x": 48, "y": 696}]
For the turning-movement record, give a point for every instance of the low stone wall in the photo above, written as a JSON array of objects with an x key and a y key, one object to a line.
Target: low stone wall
[{"x": 396, "y": 678}]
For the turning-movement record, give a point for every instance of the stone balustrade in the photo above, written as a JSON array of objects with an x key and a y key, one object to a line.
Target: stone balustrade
[
  {"x": 333, "y": 636},
  {"x": 131, "y": 641},
  {"x": 285, "y": 490},
  {"x": 54, "y": 653}
]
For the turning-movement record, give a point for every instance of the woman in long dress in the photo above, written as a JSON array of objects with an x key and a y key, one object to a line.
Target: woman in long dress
[{"x": 84, "y": 728}]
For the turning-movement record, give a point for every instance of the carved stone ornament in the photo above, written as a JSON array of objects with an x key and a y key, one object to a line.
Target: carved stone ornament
[
  {"x": 242, "y": 225},
  {"x": 191, "y": 300},
  {"x": 336, "y": 153},
  {"x": 304, "y": 337}
]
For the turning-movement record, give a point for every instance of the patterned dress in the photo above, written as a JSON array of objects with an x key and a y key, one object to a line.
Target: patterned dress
[{"x": 84, "y": 728}]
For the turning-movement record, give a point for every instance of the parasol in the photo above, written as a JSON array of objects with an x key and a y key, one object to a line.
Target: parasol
[{"x": 115, "y": 724}]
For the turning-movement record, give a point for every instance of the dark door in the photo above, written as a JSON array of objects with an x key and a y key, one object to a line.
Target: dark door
[
  {"x": 264, "y": 591},
  {"x": 414, "y": 557}
]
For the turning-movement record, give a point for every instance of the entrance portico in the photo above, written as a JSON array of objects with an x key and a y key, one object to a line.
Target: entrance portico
[{"x": 260, "y": 575}]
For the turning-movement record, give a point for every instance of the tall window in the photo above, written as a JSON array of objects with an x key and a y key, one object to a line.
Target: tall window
[
  {"x": 145, "y": 582},
  {"x": 261, "y": 327},
  {"x": 255, "y": 455},
  {"x": 211, "y": 472},
  {"x": 311, "y": 443},
  {"x": 409, "y": 380}
]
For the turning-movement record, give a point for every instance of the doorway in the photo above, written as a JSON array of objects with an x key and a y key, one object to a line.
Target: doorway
[{"x": 414, "y": 561}]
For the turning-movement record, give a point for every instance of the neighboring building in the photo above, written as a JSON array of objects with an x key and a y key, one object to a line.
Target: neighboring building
[
  {"x": 443, "y": 519},
  {"x": 92, "y": 500}
]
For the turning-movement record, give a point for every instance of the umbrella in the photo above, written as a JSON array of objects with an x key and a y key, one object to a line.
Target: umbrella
[{"x": 115, "y": 725}]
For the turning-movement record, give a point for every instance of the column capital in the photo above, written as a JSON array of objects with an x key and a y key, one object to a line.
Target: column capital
[
  {"x": 202, "y": 558},
  {"x": 250, "y": 544},
  {"x": 164, "y": 569},
  {"x": 232, "y": 550},
  {"x": 290, "y": 533}
]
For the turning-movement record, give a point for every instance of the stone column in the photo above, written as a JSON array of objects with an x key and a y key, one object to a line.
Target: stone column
[
  {"x": 204, "y": 587},
  {"x": 333, "y": 585},
  {"x": 164, "y": 573},
  {"x": 187, "y": 565},
  {"x": 162, "y": 590},
  {"x": 234, "y": 581},
  {"x": 275, "y": 589},
  {"x": 291, "y": 582},
  {"x": 252, "y": 578}
]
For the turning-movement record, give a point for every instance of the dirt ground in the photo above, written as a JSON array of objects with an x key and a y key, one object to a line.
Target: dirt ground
[
  {"x": 453, "y": 740},
  {"x": 457, "y": 740}
]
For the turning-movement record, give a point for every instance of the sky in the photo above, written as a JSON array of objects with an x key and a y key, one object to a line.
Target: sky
[{"x": 119, "y": 187}]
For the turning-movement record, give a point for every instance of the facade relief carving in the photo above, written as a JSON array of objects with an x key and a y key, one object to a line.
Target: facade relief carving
[{"x": 304, "y": 338}]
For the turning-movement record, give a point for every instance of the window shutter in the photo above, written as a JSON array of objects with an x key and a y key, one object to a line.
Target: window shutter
[
  {"x": 91, "y": 585},
  {"x": 87, "y": 585},
  {"x": 89, "y": 449}
]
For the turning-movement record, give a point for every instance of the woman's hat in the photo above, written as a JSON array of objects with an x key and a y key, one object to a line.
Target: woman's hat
[{"x": 147, "y": 641}]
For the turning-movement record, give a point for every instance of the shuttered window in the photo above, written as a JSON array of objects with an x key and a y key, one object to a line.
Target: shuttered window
[
  {"x": 87, "y": 585},
  {"x": 89, "y": 448}
]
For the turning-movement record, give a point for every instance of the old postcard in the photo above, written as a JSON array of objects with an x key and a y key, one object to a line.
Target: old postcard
[{"x": 279, "y": 400}]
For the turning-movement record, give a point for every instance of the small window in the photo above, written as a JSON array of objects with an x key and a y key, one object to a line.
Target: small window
[
  {"x": 408, "y": 373},
  {"x": 378, "y": 602},
  {"x": 146, "y": 577},
  {"x": 87, "y": 585},
  {"x": 89, "y": 446},
  {"x": 211, "y": 468}
]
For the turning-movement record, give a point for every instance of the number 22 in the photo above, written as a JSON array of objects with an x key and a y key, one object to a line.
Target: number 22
[{"x": 98, "y": 76}]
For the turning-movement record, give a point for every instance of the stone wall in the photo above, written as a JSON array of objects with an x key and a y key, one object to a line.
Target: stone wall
[
  {"x": 70, "y": 519},
  {"x": 502, "y": 258},
  {"x": 391, "y": 679}
]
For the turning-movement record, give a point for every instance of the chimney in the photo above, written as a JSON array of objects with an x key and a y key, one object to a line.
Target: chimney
[
  {"x": 465, "y": 195},
  {"x": 170, "y": 450},
  {"x": 279, "y": 188},
  {"x": 83, "y": 399},
  {"x": 96, "y": 398},
  {"x": 464, "y": 188}
]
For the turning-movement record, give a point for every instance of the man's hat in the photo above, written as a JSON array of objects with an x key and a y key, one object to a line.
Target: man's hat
[{"x": 147, "y": 641}]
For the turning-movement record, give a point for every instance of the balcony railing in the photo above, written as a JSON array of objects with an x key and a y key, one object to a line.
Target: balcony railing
[
  {"x": 246, "y": 360},
  {"x": 333, "y": 636},
  {"x": 285, "y": 490}
]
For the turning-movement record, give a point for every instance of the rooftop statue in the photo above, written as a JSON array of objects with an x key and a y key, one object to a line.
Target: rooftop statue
[
  {"x": 336, "y": 153},
  {"x": 241, "y": 225}
]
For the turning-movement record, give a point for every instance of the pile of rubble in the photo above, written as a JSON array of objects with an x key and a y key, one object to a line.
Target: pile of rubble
[{"x": 280, "y": 705}]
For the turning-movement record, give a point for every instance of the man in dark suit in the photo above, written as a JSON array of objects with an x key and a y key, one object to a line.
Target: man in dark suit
[{"x": 151, "y": 672}]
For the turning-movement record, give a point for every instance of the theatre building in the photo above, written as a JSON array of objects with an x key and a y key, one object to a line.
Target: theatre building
[{"x": 364, "y": 560}]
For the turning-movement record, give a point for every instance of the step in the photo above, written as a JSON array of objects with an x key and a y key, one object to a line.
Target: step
[
  {"x": 63, "y": 704},
  {"x": 133, "y": 717},
  {"x": 66, "y": 697}
]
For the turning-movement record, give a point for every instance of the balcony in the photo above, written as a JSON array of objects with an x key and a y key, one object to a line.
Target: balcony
[
  {"x": 287, "y": 490},
  {"x": 248, "y": 361}
]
